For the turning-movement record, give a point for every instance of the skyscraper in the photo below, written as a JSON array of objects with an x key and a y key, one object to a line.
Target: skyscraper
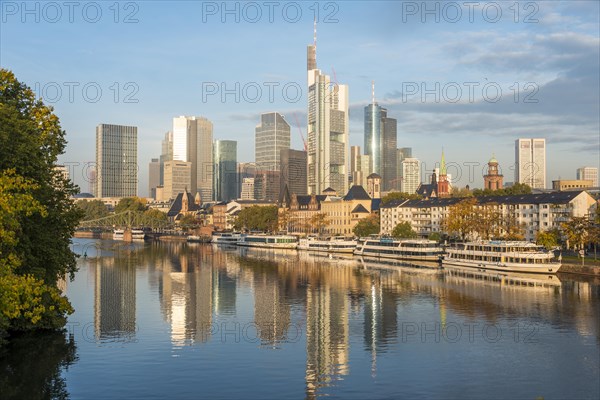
[
  {"x": 360, "y": 166},
  {"x": 116, "y": 160},
  {"x": 293, "y": 171},
  {"x": 272, "y": 136},
  {"x": 530, "y": 162},
  {"x": 166, "y": 154},
  {"x": 588, "y": 174},
  {"x": 327, "y": 130},
  {"x": 225, "y": 168},
  {"x": 411, "y": 175},
  {"x": 153, "y": 177},
  {"x": 401, "y": 154},
  {"x": 192, "y": 141},
  {"x": 380, "y": 143},
  {"x": 177, "y": 179}
]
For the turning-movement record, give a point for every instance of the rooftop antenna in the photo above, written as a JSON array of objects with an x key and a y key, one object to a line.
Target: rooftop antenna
[
  {"x": 315, "y": 33},
  {"x": 373, "y": 92}
]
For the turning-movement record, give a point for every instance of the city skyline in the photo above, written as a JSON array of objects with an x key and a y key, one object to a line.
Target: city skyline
[{"x": 563, "y": 46}]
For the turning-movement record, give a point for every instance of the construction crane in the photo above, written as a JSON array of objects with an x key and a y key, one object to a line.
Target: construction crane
[{"x": 300, "y": 130}]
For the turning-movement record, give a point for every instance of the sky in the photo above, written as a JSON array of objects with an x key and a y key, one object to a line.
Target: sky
[{"x": 465, "y": 77}]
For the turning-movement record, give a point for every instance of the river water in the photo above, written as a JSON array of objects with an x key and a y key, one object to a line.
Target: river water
[{"x": 178, "y": 321}]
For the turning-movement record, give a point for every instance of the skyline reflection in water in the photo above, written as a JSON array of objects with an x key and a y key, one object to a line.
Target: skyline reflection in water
[{"x": 228, "y": 322}]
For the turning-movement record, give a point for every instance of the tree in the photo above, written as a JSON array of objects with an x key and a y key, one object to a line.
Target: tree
[
  {"x": 548, "y": 239},
  {"x": 130, "y": 204},
  {"x": 26, "y": 302},
  {"x": 187, "y": 221},
  {"x": 404, "y": 230},
  {"x": 257, "y": 218},
  {"x": 435, "y": 236},
  {"x": 391, "y": 196},
  {"x": 92, "y": 209},
  {"x": 31, "y": 140},
  {"x": 319, "y": 222},
  {"x": 367, "y": 226},
  {"x": 577, "y": 231},
  {"x": 514, "y": 190},
  {"x": 461, "y": 192},
  {"x": 461, "y": 218}
]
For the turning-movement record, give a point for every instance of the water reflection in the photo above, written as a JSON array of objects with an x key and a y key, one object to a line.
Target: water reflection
[
  {"x": 336, "y": 303},
  {"x": 31, "y": 365}
]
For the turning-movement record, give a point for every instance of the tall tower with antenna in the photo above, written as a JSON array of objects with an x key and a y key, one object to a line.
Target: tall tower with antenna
[
  {"x": 327, "y": 128},
  {"x": 381, "y": 142}
]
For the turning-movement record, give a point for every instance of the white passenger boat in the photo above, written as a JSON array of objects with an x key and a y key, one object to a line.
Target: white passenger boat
[
  {"x": 225, "y": 238},
  {"x": 118, "y": 234},
  {"x": 333, "y": 245},
  {"x": 400, "y": 249},
  {"x": 269, "y": 241},
  {"x": 513, "y": 256},
  {"x": 137, "y": 234}
]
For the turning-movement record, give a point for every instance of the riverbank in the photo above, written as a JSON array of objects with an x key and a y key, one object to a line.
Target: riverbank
[{"x": 592, "y": 270}]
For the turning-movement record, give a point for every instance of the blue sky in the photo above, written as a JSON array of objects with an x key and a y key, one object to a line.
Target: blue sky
[{"x": 163, "y": 54}]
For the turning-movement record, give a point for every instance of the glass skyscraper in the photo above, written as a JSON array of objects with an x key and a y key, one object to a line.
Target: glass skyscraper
[
  {"x": 116, "y": 161},
  {"x": 272, "y": 136},
  {"x": 380, "y": 144},
  {"x": 225, "y": 170}
]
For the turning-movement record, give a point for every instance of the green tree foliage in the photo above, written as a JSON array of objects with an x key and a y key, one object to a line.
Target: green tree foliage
[
  {"x": 514, "y": 190},
  {"x": 154, "y": 214},
  {"x": 92, "y": 209},
  {"x": 130, "y": 204},
  {"x": 257, "y": 218},
  {"x": 461, "y": 192},
  {"x": 391, "y": 196},
  {"x": 435, "y": 236},
  {"x": 404, "y": 231},
  {"x": 26, "y": 302},
  {"x": 31, "y": 139},
  {"x": 548, "y": 239},
  {"x": 367, "y": 226},
  {"x": 188, "y": 221}
]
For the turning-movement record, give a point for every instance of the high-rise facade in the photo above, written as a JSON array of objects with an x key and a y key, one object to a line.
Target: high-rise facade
[
  {"x": 166, "y": 154},
  {"x": 380, "y": 144},
  {"x": 192, "y": 141},
  {"x": 360, "y": 166},
  {"x": 293, "y": 171},
  {"x": 153, "y": 177},
  {"x": 327, "y": 130},
  {"x": 272, "y": 136},
  {"x": 225, "y": 170},
  {"x": 247, "y": 189},
  {"x": 530, "y": 162},
  {"x": 401, "y": 154},
  {"x": 116, "y": 161},
  {"x": 176, "y": 179},
  {"x": 588, "y": 174},
  {"x": 411, "y": 175}
]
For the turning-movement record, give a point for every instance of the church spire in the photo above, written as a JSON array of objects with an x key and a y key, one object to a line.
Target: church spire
[{"x": 443, "y": 164}]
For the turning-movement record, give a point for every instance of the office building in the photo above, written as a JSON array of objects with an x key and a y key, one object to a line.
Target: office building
[
  {"x": 247, "y": 189},
  {"x": 380, "y": 143},
  {"x": 293, "y": 171},
  {"x": 588, "y": 174},
  {"x": 177, "y": 179},
  {"x": 192, "y": 142},
  {"x": 327, "y": 130},
  {"x": 411, "y": 175},
  {"x": 166, "y": 154},
  {"x": 530, "y": 162},
  {"x": 153, "y": 177},
  {"x": 267, "y": 185},
  {"x": 225, "y": 168},
  {"x": 360, "y": 166},
  {"x": 401, "y": 154},
  {"x": 116, "y": 161},
  {"x": 272, "y": 136}
]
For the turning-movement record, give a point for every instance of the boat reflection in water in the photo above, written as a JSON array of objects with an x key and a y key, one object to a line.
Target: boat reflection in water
[{"x": 335, "y": 325}]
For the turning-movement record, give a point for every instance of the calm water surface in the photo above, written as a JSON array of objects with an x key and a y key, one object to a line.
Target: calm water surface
[{"x": 177, "y": 320}]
